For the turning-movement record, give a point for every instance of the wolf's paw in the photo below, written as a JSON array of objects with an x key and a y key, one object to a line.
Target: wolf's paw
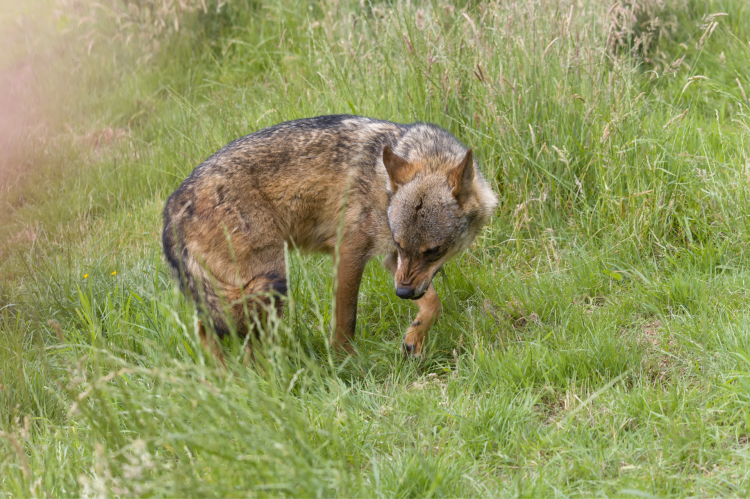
[
  {"x": 344, "y": 349},
  {"x": 415, "y": 336}
]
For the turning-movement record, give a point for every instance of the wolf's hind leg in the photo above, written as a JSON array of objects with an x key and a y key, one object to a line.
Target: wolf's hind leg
[
  {"x": 246, "y": 309},
  {"x": 209, "y": 342},
  {"x": 251, "y": 305}
]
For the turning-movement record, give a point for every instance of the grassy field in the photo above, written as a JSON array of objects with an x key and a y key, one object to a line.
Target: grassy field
[{"x": 595, "y": 341}]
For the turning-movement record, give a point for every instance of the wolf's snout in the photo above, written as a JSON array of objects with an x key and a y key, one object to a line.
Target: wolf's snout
[{"x": 409, "y": 293}]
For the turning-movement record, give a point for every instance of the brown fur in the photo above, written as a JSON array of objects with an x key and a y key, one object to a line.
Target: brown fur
[{"x": 411, "y": 192}]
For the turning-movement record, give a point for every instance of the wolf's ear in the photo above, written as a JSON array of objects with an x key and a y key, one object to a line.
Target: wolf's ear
[
  {"x": 460, "y": 178},
  {"x": 399, "y": 170}
]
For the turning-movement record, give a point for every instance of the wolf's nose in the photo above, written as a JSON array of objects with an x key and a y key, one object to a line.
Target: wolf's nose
[
  {"x": 408, "y": 348},
  {"x": 403, "y": 292}
]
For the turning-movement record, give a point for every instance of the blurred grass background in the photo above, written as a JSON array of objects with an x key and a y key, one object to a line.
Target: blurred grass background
[{"x": 594, "y": 341}]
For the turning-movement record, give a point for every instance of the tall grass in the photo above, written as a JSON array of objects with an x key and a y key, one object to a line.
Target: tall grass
[{"x": 595, "y": 339}]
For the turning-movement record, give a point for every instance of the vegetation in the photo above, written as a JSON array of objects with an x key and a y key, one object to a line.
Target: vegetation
[{"x": 595, "y": 340}]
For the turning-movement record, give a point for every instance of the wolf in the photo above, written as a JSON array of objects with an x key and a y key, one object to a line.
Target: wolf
[{"x": 350, "y": 186}]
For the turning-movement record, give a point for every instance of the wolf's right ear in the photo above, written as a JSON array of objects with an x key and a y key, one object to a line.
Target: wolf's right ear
[
  {"x": 399, "y": 170},
  {"x": 461, "y": 178}
]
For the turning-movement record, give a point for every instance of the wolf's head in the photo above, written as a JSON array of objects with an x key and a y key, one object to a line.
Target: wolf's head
[{"x": 439, "y": 202}]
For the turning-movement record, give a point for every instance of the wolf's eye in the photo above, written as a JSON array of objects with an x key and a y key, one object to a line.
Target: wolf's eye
[{"x": 432, "y": 251}]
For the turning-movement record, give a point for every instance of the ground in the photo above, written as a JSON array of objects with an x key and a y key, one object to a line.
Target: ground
[{"x": 595, "y": 341}]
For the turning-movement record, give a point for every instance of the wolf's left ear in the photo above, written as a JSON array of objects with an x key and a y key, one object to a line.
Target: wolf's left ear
[{"x": 461, "y": 177}]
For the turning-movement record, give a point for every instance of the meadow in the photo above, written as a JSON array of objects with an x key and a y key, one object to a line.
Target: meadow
[{"x": 595, "y": 340}]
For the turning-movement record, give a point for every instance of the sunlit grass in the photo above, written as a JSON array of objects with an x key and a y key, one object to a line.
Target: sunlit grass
[{"x": 595, "y": 340}]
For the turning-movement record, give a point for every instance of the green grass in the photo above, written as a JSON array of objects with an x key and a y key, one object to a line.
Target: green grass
[{"x": 594, "y": 341}]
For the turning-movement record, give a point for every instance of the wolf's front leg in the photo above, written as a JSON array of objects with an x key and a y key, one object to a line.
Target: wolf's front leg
[
  {"x": 429, "y": 312},
  {"x": 351, "y": 265}
]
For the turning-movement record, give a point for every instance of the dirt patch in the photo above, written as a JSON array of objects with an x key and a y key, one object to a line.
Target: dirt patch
[
  {"x": 657, "y": 361},
  {"x": 650, "y": 334},
  {"x": 514, "y": 312}
]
